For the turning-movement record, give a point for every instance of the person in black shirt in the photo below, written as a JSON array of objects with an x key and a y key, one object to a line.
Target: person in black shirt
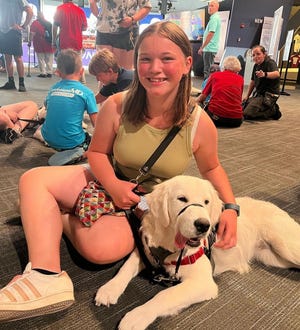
[
  {"x": 265, "y": 85},
  {"x": 109, "y": 74}
]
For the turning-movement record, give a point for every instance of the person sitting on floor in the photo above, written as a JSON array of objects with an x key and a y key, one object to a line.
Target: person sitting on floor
[
  {"x": 105, "y": 68},
  {"x": 11, "y": 123},
  {"x": 66, "y": 103},
  {"x": 130, "y": 126},
  {"x": 265, "y": 80},
  {"x": 226, "y": 89}
]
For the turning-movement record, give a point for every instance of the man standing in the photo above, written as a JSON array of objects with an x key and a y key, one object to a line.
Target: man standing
[
  {"x": 71, "y": 21},
  {"x": 211, "y": 37},
  {"x": 11, "y": 38}
]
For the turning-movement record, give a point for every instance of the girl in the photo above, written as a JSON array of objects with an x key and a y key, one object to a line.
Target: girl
[{"x": 129, "y": 126}]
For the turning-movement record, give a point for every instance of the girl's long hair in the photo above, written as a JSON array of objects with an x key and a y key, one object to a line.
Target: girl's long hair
[{"x": 135, "y": 109}]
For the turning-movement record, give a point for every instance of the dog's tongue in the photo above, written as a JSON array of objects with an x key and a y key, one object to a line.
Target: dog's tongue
[{"x": 180, "y": 241}]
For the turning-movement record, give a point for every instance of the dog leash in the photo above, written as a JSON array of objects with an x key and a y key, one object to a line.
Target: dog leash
[
  {"x": 156, "y": 274},
  {"x": 33, "y": 121}
]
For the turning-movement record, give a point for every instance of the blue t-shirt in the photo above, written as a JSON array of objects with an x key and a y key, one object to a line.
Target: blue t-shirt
[
  {"x": 214, "y": 25},
  {"x": 66, "y": 103}
]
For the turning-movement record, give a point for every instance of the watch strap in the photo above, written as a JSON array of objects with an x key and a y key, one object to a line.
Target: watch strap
[{"x": 231, "y": 206}]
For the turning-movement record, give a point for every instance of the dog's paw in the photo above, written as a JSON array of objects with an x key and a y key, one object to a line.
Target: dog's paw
[
  {"x": 137, "y": 319},
  {"x": 106, "y": 295}
]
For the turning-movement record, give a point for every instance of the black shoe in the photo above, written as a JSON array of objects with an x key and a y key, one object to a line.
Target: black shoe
[
  {"x": 49, "y": 75},
  {"x": 22, "y": 88},
  {"x": 42, "y": 75},
  {"x": 8, "y": 85},
  {"x": 8, "y": 135}
]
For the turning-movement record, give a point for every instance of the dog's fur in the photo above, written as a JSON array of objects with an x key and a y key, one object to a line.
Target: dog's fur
[{"x": 265, "y": 233}]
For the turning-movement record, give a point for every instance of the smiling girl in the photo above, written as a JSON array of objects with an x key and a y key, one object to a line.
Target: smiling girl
[{"x": 129, "y": 127}]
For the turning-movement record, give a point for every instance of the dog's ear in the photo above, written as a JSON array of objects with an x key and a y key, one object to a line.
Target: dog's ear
[
  {"x": 215, "y": 205},
  {"x": 158, "y": 203}
]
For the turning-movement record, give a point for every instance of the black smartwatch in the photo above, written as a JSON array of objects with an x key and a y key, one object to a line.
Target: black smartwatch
[{"x": 231, "y": 206}]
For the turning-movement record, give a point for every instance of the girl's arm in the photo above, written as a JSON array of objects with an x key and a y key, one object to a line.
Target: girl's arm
[
  {"x": 205, "y": 148},
  {"x": 100, "y": 152}
]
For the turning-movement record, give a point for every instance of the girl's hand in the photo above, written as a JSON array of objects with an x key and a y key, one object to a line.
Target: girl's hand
[
  {"x": 123, "y": 195},
  {"x": 227, "y": 229}
]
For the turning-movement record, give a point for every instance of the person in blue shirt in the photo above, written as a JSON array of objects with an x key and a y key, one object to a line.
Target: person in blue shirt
[
  {"x": 113, "y": 79},
  {"x": 66, "y": 104}
]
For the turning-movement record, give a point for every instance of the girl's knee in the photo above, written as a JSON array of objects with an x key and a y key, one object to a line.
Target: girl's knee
[{"x": 29, "y": 177}]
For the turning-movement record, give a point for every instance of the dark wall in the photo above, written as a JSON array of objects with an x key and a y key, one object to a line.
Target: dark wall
[{"x": 244, "y": 32}]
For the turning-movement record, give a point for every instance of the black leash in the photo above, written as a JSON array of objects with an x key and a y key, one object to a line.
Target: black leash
[
  {"x": 33, "y": 121},
  {"x": 155, "y": 274}
]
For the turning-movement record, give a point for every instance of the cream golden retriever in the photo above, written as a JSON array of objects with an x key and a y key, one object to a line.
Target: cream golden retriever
[{"x": 182, "y": 212}]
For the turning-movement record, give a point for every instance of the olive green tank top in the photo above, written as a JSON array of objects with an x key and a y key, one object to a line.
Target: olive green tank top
[{"x": 134, "y": 144}]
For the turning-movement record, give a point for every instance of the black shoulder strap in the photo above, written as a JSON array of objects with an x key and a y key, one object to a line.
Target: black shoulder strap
[{"x": 159, "y": 150}]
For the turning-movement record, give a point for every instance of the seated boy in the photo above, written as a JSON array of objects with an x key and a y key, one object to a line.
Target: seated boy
[
  {"x": 66, "y": 104},
  {"x": 105, "y": 68},
  {"x": 11, "y": 123}
]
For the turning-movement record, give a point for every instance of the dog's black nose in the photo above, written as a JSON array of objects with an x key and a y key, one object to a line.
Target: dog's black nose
[{"x": 200, "y": 226}]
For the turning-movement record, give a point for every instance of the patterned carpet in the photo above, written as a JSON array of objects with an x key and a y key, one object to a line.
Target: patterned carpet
[{"x": 262, "y": 160}]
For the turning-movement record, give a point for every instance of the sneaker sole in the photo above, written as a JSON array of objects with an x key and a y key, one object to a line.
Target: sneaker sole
[{"x": 13, "y": 315}]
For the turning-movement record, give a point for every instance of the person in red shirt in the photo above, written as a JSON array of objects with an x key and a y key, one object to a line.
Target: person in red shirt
[
  {"x": 71, "y": 21},
  {"x": 226, "y": 89},
  {"x": 41, "y": 36}
]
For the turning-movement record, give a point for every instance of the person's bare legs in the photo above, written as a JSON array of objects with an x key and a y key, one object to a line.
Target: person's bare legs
[
  {"x": 20, "y": 66},
  {"x": 109, "y": 239},
  {"x": 9, "y": 65},
  {"x": 25, "y": 110},
  {"x": 98, "y": 47},
  {"x": 43, "y": 192},
  {"x": 125, "y": 58}
]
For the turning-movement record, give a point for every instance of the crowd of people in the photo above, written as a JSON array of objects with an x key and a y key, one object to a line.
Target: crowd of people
[{"x": 140, "y": 103}]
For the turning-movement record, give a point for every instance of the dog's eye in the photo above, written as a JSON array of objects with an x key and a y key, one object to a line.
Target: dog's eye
[
  {"x": 206, "y": 202},
  {"x": 182, "y": 199}
]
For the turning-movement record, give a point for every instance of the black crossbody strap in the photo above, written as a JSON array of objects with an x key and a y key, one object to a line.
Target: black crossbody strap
[{"x": 159, "y": 150}]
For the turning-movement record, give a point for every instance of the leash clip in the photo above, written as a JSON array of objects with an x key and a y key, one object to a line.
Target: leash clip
[
  {"x": 161, "y": 279},
  {"x": 141, "y": 173}
]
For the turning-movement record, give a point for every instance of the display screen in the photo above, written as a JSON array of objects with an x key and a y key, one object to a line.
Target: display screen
[{"x": 192, "y": 22}]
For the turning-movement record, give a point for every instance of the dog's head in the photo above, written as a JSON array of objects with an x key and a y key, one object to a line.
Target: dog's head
[{"x": 183, "y": 209}]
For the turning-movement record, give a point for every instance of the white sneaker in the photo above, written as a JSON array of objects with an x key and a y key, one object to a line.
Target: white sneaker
[{"x": 32, "y": 294}]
